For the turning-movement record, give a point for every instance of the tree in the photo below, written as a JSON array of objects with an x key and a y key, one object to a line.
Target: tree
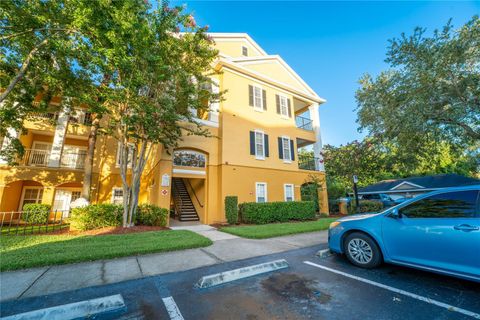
[
  {"x": 431, "y": 92},
  {"x": 159, "y": 79}
]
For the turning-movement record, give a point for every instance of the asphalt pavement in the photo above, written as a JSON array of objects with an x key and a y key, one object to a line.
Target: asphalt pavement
[{"x": 310, "y": 288}]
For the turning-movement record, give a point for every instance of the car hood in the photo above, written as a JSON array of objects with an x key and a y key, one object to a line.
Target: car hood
[{"x": 359, "y": 216}]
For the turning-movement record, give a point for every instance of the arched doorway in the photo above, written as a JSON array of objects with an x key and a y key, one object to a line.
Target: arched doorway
[
  {"x": 189, "y": 185},
  {"x": 18, "y": 193}
]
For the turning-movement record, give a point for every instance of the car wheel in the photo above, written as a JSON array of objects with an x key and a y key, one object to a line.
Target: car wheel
[{"x": 362, "y": 251}]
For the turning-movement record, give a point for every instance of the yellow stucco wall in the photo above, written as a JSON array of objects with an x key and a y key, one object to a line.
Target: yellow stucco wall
[{"x": 231, "y": 170}]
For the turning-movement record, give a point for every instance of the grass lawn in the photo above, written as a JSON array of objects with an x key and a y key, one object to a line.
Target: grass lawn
[
  {"x": 278, "y": 229},
  {"x": 19, "y": 252}
]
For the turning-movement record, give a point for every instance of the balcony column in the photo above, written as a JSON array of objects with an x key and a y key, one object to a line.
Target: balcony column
[
  {"x": 214, "y": 106},
  {"x": 6, "y": 142},
  {"x": 59, "y": 137},
  {"x": 317, "y": 146}
]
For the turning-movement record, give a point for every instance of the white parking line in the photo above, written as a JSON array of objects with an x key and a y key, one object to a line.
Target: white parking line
[
  {"x": 403, "y": 292},
  {"x": 172, "y": 308}
]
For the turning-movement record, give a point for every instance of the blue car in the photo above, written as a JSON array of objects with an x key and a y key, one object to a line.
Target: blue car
[{"x": 437, "y": 231}]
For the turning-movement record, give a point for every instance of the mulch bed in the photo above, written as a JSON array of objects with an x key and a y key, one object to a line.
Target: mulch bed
[{"x": 106, "y": 230}]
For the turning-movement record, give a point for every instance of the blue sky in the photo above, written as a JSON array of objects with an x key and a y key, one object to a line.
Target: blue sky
[{"x": 330, "y": 44}]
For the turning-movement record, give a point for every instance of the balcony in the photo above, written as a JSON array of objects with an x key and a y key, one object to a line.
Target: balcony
[
  {"x": 308, "y": 162},
  {"x": 77, "y": 116},
  {"x": 303, "y": 123},
  {"x": 40, "y": 158}
]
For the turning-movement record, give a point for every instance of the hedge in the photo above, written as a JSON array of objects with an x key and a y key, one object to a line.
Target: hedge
[
  {"x": 268, "y": 212},
  {"x": 96, "y": 216},
  {"x": 36, "y": 212},
  {"x": 366, "y": 206},
  {"x": 231, "y": 209},
  {"x": 151, "y": 215}
]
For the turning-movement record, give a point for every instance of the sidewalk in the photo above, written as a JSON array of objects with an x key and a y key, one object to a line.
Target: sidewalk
[{"x": 226, "y": 247}]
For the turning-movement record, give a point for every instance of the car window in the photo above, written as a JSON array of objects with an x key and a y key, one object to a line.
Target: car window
[{"x": 458, "y": 204}]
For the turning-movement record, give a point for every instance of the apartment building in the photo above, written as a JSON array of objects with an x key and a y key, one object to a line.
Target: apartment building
[{"x": 268, "y": 114}]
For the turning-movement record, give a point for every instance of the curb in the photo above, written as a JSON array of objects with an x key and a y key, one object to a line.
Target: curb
[
  {"x": 324, "y": 253},
  {"x": 241, "y": 273},
  {"x": 76, "y": 310}
]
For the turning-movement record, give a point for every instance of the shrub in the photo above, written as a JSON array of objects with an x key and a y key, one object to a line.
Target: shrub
[
  {"x": 36, "y": 212},
  {"x": 231, "y": 209},
  {"x": 96, "y": 216},
  {"x": 365, "y": 206},
  {"x": 151, "y": 215},
  {"x": 261, "y": 213}
]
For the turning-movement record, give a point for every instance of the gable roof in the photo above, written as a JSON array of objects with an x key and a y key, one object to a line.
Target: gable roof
[{"x": 420, "y": 183}]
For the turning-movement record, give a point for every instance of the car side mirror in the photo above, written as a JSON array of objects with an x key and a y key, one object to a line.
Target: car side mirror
[{"x": 395, "y": 213}]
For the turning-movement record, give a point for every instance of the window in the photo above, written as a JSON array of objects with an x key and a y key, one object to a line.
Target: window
[
  {"x": 288, "y": 190},
  {"x": 245, "y": 51},
  {"x": 259, "y": 145},
  {"x": 283, "y": 106},
  {"x": 460, "y": 204},
  {"x": 257, "y": 98},
  {"x": 76, "y": 195},
  {"x": 117, "y": 196},
  {"x": 31, "y": 195},
  {"x": 287, "y": 154},
  {"x": 261, "y": 191},
  {"x": 130, "y": 154}
]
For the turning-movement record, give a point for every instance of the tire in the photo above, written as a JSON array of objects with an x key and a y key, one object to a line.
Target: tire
[{"x": 362, "y": 251}]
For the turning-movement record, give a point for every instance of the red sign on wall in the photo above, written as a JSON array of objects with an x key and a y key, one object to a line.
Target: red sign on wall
[{"x": 164, "y": 192}]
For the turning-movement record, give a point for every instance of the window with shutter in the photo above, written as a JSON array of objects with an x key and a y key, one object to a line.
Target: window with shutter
[
  {"x": 286, "y": 150},
  {"x": 259, "y": 145},
  {"x": 283, "y": 105},
  {"x": 257, "y": 98}
]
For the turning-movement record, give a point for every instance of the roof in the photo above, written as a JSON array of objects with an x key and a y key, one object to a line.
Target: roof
[{"x": 424, "y": 183}]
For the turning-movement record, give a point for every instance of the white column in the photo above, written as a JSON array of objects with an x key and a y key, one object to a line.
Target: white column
[
  {"x": 214, "y": 106},
  {"x": 6, "y": 142},
  {"x": 317, "y": 146},
  {"x": 59, "y": 138}
]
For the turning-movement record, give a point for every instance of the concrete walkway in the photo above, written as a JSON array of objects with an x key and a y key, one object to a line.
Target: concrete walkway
[{"x": 226, "y": 247}]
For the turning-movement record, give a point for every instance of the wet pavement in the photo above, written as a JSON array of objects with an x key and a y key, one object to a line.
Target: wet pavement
[{"x": 301, "y": 291}]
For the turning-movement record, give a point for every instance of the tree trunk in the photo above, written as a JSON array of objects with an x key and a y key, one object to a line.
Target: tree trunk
[{"x": 87, "y": 178}]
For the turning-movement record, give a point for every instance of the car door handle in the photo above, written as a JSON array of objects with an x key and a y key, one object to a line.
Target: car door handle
[{"x": 466, "y": 227}]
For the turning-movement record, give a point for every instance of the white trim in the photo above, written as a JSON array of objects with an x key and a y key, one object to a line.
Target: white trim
[
  {"x": 20, "y": 205},
  {"x": 257, "y": 156},
  {"x": 197, "y": 172},
  {"x": 409, "y": 183},
  {"x": 250, "y": 74},
  {"x": 285, "y": 98},
  {"x": 229, "y": 36},
  {"x": 285, "y": 185},
  {"x": 256, "y": 191},
  {"x": 275, "y": 59}
]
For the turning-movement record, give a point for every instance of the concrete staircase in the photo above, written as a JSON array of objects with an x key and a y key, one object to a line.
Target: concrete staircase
[{"x": 183, "y": 202}]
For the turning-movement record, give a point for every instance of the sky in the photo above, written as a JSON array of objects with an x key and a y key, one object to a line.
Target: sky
[{"x": 330, "y": 44}]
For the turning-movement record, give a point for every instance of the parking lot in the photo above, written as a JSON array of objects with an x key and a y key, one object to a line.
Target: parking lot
[{"x": 310, "y": 288}]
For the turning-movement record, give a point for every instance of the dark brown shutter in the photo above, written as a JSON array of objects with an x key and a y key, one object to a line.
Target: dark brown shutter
[
  {"x": 267, "y": 153},
  {"x": 252, "y": 142},
  {"x": 264, "y": 95},
  {"x": 292, "y": 151},
  {"x": 250, "y": 96},
  {"x": 277, "y": 98},
  {"x": 289, "y": 108},
  {"x": 280, "y": 148}
]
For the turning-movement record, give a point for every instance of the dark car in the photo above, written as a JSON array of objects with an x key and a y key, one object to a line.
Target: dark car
[{"x": 385, "y": 199}]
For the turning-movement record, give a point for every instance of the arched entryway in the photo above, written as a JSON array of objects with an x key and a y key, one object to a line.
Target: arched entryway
[
  {"x": 18, "y": 193},
  {"x": 189, "y": 185}
]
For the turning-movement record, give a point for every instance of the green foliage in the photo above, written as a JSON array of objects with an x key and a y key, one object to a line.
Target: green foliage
[
  {"x": 268, "y": 212},
  {"x": 36, "y": 212},
  {"x": 151, "y": 215},
  {"x": 231, "y": 209},
  {"x": 430, "y": 93},
  {"x": 96, "y": 216},
  {"x": 366, "y": 206}
]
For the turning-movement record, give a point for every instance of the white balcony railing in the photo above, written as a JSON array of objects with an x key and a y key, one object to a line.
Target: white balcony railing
[{"x": 40, "y": 158}]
